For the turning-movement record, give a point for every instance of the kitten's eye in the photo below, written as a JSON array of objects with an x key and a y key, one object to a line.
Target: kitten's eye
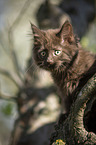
[
  {"x": 43, "y": 54},
  {"x": 57, "y": 52}
]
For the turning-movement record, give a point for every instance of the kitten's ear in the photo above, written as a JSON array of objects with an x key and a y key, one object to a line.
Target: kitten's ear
[
  {"x": 66, "y": 32},
  {"x": 38, "y": 34}
]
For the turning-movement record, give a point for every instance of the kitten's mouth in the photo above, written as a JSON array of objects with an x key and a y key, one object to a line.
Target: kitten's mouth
[{"x": 47, "y": 66}]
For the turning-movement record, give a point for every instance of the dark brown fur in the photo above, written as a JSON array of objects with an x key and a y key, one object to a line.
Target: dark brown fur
[{"x": 71, "y": 67}]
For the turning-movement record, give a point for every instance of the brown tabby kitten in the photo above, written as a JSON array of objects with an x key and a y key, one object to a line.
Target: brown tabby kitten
[{"x": 58, "y": 51}]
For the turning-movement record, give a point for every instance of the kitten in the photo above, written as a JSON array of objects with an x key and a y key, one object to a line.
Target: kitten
[{"x": 58, "y": 51}]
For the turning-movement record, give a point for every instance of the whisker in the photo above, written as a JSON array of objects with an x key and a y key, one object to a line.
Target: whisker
[
  {"x": 28, "y": 68},
  {"x": 29, "y": 34},
  {"x": 34, "y": 71}
]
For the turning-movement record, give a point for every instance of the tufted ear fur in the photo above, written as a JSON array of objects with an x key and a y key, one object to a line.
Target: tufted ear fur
[
  {"x": 66, "y": 33},
  {"x": 38, "y": 34}
]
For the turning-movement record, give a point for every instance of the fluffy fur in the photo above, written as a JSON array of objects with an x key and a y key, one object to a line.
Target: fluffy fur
[{"x": 58, "y": 51}]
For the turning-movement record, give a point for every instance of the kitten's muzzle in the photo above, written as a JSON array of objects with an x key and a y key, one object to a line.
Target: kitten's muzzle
[{"x": 49, "y": 65}]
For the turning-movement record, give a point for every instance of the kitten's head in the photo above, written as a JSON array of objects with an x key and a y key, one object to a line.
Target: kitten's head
[{"x": 54, "y": 48}]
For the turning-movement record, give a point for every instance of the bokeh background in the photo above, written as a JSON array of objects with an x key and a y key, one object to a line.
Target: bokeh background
[{"x": 28, "y": 97}]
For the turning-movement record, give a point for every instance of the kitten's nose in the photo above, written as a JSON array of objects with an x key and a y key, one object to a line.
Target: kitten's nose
[{"x": 50, "y": 61}]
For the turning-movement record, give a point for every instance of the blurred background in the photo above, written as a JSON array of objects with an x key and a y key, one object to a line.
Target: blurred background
[{"x": 29, "y": 102}]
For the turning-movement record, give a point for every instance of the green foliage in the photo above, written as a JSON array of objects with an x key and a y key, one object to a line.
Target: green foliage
[
  {"x": 7, "y": 109},
  {"x": 85, "y": 42},
  {"x": 89, "y": 40}
]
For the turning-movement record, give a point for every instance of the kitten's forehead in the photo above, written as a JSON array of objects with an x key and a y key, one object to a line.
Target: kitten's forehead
[{"x": 50, "y": 36}]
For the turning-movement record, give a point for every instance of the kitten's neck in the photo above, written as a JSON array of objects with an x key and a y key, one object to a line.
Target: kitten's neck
[{"x": 60, "y": 75}]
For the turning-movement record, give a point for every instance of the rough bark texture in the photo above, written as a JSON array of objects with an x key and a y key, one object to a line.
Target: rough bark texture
[{"x": 72, "y": 130}]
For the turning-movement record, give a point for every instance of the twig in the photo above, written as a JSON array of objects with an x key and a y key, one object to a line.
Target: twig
[
  {"x": 11, "y": 40},
  {"x": 12, "y": 77},
  {"x": 22, "y": 12},
  {"x": 7, "y": 97}
]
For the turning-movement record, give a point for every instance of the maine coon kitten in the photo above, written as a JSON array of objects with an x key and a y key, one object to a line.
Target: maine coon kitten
[{"x": 58, "y": 51}]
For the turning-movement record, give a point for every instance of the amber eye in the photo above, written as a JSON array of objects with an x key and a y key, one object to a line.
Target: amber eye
[{"x": 57, "y": 52}]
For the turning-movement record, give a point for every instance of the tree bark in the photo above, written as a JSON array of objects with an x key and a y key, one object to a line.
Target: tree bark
[{"x": 72, "y": 130}]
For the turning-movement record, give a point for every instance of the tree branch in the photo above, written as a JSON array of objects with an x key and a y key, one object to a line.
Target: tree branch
[
  {"x": 7, "y": 97},
  {"x": 12, "y": 77},
  {"x": 78, "y": 109},
  {"x": 71, "y": 130},
  {"x": 11, "y": 40}
]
